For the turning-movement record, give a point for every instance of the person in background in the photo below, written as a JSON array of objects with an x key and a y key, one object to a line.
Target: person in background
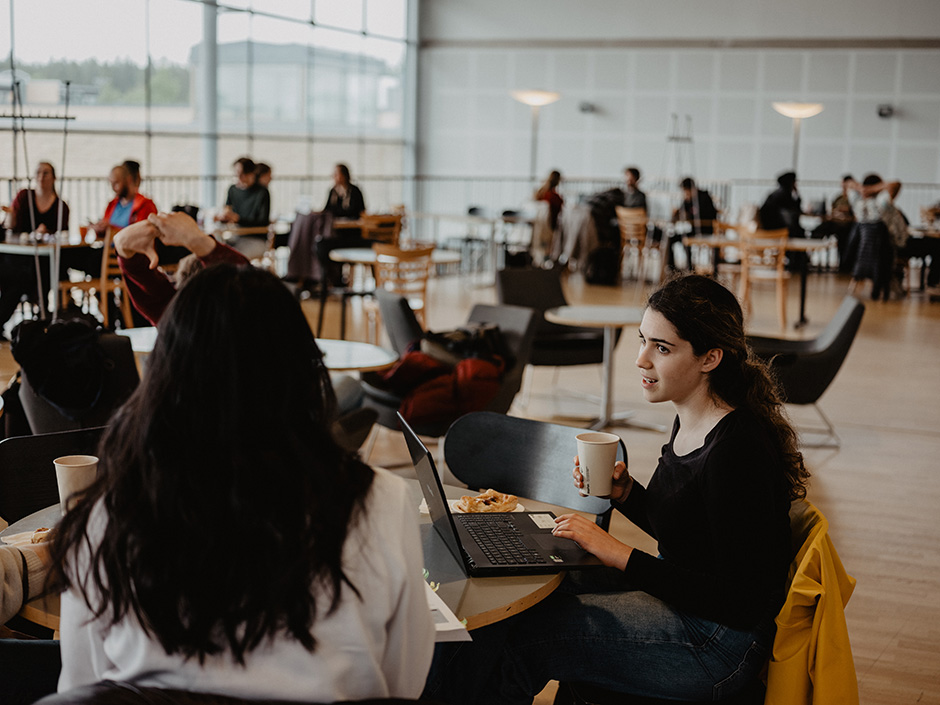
[
  {"x": 632, "y": 196},
  {"x": 252, "y": 556},
  {"x": 247, "y": 205},
  {"x": 697, "y": 619},
  {"x": 128, "y": 205},
  {"x": 548, "y": 192},
  {"x": 839, "y": 224},
  {"x": 38, "y": 210},
  {"x": 263, "y": 174},
  {"x": 782, "y": 209},
  {"x": 344, "y": 201},
  {"x": 698, "y": 209},
  {"x": 872, "y": 203}
]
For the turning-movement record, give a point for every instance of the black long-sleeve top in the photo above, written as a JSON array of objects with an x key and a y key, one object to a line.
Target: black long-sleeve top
[
  {"x": 352, "y": 205},
  {"x": 720, "y": 515}
]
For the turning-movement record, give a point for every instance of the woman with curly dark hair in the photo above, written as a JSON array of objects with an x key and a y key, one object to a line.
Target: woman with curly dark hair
[
  {"x": 697, "y": 621},
  {"x": 229, "y": 544}
]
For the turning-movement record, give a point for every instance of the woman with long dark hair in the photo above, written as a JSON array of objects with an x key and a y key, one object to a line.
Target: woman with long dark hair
[
  {"x": 229, "y": 544},
  {"x": 697, "y": 621}
]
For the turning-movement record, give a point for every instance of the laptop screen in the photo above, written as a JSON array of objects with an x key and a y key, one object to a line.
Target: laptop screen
[{"x": 432, "y": 489}]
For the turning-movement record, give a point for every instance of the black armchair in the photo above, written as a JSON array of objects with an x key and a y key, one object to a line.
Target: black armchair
[
  {"x": 806, "y": 368},
  {"x": 554, "y": 345}
]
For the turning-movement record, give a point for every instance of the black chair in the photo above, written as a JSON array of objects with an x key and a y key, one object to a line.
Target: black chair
[
  {"x": 27, "y": 475},
  {"x": 519, "y": 456},
  {"x": 806, "y": 368},
  {"x": 516, "y": 325},
  {"x": 116, "y": 693},
  {"x": 120, "y": 380},
  {"x": 399, "y": 320},
  {"x": 554, "y": 345}
]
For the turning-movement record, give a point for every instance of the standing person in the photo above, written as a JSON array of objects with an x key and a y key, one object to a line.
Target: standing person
[
  {"x": 252, "y": 556},
  {"x": 871, "y": 201},
  {"x": 38, "y": 210},
  {"x": 697, "y": 622},
  {"x": 344, "y": 201},
  {"x": 548, "y": 192}
]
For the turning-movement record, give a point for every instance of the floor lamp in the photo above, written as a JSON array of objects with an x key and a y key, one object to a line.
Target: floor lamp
[
  {"x": 797, "y": 111},
  {"x": 535, "y": 100}
]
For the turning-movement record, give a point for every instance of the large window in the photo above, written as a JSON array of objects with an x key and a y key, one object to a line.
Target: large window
[{"x": 300, "y": 85}]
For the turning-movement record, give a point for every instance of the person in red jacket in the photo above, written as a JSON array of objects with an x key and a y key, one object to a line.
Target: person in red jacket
[{"x": 129, "y": 205}]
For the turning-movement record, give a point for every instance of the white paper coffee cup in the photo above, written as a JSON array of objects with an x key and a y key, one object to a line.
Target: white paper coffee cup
[
  {"x": 73, "y": 473},
  {"x": 597, "y": 453}
]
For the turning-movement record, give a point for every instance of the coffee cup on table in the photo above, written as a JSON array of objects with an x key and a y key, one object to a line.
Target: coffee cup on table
[
  {"x": 74, "y": 473},
  {"x": 597, "y": 454}
]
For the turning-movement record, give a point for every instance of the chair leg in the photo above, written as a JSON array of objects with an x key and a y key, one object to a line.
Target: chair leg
[
  {"x": 830, "y": 437},
  {"x": 782, "y": 304},
  {"x": 323, "y": 296}
]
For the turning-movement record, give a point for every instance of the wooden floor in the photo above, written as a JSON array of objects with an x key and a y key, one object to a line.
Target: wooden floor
[{"x": 880, "y": 490}]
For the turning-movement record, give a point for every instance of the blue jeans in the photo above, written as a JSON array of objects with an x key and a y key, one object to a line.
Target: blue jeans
[{"x": 624, "y": 640}]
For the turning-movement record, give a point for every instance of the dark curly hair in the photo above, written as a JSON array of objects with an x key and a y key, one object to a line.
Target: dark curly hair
[
  {"x": 226, "y": 501},
  {"x": 709, "y": 316}
]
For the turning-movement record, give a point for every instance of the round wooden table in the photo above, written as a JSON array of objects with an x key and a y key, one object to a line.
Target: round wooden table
[
  {"x": 610, "y": 318},
  {"x": 366, "y": 256}
]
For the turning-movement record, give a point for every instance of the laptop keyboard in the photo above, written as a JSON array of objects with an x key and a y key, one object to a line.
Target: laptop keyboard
[{"x": 499, "y": 539}]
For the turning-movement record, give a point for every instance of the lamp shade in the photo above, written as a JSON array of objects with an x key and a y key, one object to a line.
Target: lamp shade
[
  {"x": 798, "y": 110},
  {"x": 536, "y": 98}
]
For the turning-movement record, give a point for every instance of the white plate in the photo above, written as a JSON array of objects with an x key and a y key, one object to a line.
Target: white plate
[{"x": 423, "y": 507}]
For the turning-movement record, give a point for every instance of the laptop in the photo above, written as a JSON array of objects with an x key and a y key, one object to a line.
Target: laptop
[{"x": 493, "y": 544}]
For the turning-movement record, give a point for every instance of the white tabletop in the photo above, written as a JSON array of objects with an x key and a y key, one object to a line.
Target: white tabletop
[
  {"x": 363, "y": 255},
  {"x": 349, "y": 355},
  {"x": 595, "y": 316},
  {"x": 142, "y": 339}
]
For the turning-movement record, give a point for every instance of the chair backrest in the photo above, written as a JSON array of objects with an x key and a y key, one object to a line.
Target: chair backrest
[
  {"x": 120, "y": 380},
  {"x": 404, "y": 272},
  {"x": 517, "y": 325},
  {"x": 519, "y": 456},
  {"x": 805, "y": 376},
  {"x": 399, "y": 319},
  {"x": 381, "y": 228},
  {"x": 535, "y": 288},
  {"x": 632, "y": 223},
  {"x": 27, "y": 475}
]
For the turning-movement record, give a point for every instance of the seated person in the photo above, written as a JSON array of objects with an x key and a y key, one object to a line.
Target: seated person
[
  {"x": 839, "y": 223},
  {"x": 33, "y": 210},
  {"x": 247, "y": 205},
  {"x": 151, "y": 290},
  {"x": 782, "y": 209},
  {"x": 230, "y": 545},
  {"x": 698, "y": 209},
  {"x": 29, "y": 668},
  {"x": 700, "y": 616}
]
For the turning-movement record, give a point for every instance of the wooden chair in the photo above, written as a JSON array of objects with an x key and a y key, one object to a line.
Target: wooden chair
[
  {"x": 382, "y": 228},
  {"x": 109, "y": 285},
  {"x": 763, "y": 258},
  {"x": 633, "y": 224},
  {"x": 401, "y": 272}
]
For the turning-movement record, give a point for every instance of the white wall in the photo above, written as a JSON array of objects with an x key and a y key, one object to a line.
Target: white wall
[{"x": 475, "y": 52}]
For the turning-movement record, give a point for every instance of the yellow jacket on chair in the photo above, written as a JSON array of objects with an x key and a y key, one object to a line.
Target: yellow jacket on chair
[{"x": 812, "y": 660}]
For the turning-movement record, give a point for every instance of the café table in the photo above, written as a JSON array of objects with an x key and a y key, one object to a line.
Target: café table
[
  {"x": 37, "y": 246},
  {"x": 478, "y": 601},
  {"x": 610, "y": 318},
  {"x": 804, "y": 245},
  {"x": 366, "y": 256},
  {"x": 338, "y": 355}
]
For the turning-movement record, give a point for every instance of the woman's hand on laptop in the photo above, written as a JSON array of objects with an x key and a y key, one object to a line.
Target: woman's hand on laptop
[{"x": 593, "y": 539}]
